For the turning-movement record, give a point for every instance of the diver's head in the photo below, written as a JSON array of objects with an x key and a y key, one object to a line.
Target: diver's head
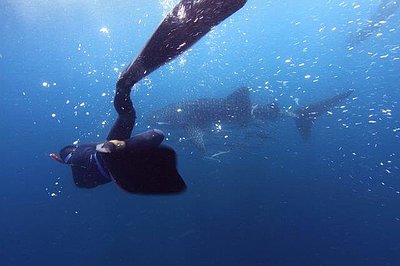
[{"x": 66, "y": 153}]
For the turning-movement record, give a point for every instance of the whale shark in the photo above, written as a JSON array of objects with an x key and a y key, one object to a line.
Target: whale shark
[
  {"x": 382, "y": 14},
  {"x": 197, "y": 116}
]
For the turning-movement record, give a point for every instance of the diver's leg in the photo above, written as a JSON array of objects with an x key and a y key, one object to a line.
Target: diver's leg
[
  {"x": 188, "y": 22},
  {"x": 123, "y": 127}
]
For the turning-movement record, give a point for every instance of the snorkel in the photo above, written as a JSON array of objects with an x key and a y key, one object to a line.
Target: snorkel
[
  {"x": 65, "y": 154},
  {"x": 58, "y": 159}
]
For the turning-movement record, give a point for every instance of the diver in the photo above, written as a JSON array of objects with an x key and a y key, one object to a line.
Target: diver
[{"x": 141, "y": 164}]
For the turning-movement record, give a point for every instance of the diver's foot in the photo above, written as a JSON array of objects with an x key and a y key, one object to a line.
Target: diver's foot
[{"x": 111, "y": 146}]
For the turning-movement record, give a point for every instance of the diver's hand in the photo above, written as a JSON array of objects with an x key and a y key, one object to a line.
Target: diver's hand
[{"x": 111, "y": 146}]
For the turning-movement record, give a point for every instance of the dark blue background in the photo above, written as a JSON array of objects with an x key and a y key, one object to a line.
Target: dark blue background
[{"x": 275, "y": 201}]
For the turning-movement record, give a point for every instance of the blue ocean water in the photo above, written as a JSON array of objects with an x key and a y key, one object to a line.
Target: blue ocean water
[{"x": 267, "y": 198}]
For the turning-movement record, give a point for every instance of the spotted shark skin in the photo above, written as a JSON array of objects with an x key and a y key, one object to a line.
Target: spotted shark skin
[{"x": 197, "y": 116}]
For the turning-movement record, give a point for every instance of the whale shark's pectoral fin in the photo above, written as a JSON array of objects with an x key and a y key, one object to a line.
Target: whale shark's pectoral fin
[{"x": 195, "y": 135}]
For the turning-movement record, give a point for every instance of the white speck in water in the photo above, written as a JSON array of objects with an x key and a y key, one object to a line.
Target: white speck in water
[
  {"x": 104, "y": 30},
  {"x": 180, "y": 46}
]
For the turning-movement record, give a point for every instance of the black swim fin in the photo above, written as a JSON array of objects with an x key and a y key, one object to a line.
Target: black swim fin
[
  {"x": 306, "y": 116},
  {"x": 146, "y": 171},
  {"x": 187, "y": 23}
]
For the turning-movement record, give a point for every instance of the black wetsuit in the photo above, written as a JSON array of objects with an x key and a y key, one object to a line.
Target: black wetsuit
[
  {"x": 91, "y": 168},
  {"x": 85, "y": 170},
  {"x": 88, "y": 166}
]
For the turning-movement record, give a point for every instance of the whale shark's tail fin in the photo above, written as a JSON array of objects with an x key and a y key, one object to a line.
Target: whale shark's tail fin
[
  {"x": 306, "y": 116},
  {"x": 187, "y": 23}
]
